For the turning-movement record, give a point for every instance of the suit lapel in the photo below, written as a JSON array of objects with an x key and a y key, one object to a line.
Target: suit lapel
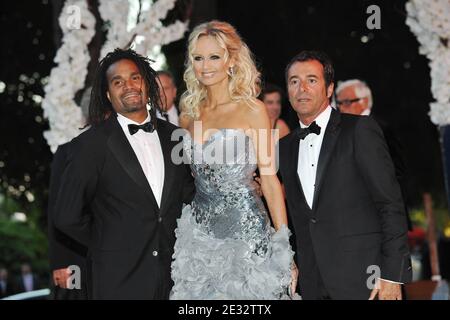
[
  {"x": 166, "y": 146},
  {"x": 294, "y": 147},
  {"x": 329, "y": 141},
  {"x": 125, "y": 155}
]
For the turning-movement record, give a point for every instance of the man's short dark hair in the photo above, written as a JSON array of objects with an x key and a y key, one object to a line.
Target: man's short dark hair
[
  {"x": 167, "y": 74},
  {"x": 322, "y": 57},
  {"x": 270, "y": 88}
]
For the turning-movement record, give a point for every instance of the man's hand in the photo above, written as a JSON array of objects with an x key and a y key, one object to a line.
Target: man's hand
[
  {"x": 386, "y": 291},
  {"x": 60, "y": 277}
]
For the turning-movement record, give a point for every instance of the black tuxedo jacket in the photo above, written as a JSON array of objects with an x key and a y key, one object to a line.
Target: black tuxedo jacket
[
  {"x": 63, "y": 250},
  {"x": 130, "y": 238},
  {"x": 9, "y": 290},
  {"x": 19, "y": 285},
  {"x": 397, "y": 154},
  {"x": 358, "y": 218}
]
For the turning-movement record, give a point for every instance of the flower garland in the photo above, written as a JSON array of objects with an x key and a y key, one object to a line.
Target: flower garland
[
  {"x": 150, "y": 29},
  {"x": 115, "y": 15},
  {"x": 68, "y": 77},
  {"x": 154, "y": 32},
  {"x": 72, "y": 58},
  {"x": 429, "y": 20}
]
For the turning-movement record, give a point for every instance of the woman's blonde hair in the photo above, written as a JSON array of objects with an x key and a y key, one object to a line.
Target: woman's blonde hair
[{"x": 244, "y": 84}]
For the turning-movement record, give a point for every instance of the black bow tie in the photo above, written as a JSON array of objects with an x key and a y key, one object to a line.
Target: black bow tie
[
  {"x": 313, "y": 128},
  {"x": 147, "y": 127},
  {"x": 165, "y": 115}
]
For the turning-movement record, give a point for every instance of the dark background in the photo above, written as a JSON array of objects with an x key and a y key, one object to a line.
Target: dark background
[{"x": 275, "y": 31}]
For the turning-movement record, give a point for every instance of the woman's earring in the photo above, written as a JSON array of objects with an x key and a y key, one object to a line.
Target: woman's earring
[{"x": 231, "y": 71}]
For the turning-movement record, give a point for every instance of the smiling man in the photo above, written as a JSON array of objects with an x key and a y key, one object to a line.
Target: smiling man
[
  {"x": 120, "y": 170},
  {"x": 343, "y": 197}
]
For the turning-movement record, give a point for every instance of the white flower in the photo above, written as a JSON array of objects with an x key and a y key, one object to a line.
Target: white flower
[
  {"x": 430, "y": 22},
  {"x": 68, "y": 77},
  {"x": 72, "y": 58}
]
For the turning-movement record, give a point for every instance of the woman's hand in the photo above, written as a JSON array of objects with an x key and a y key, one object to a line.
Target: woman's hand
[{"x": 294, "y": 278}]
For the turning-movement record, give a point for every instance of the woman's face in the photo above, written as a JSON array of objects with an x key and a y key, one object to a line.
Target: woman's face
[
  {"x": 208, "y": 60},
  {"x": 273, "y": 104}
]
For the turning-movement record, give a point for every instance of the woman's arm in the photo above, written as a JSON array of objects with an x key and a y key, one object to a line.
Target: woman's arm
[{"x": 265, "y": 152}]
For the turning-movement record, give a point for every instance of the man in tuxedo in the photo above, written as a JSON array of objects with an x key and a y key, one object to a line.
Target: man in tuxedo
[
  {"x": 344, "y": 200},
  {"x": 63, "y": 250},
  {"x": 355, "y": 97},
  {"x": 168, "y": 93},
  {"x": 6, "y": 288},
  {"x": 27, "y": 281},
  {"x": 121, "y": 171}
]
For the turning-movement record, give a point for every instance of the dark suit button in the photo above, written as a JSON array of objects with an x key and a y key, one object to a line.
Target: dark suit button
[
  {"x": 159, "y": 219},
  {"x": 313, "y": 220},
  {"x": 155, "y": 253}
]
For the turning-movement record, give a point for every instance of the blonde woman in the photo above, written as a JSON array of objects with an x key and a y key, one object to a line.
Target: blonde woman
[{"x": 226, "y": 247}]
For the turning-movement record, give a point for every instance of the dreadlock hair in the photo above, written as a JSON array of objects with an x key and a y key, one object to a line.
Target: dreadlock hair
[{"x": 100, "y": 108}]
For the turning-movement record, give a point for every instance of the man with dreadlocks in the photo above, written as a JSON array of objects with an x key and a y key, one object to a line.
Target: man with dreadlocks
[{"x": 121, "y": 171}]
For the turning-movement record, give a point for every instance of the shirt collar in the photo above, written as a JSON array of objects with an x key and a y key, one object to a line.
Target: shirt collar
[
  {"x": 172, "y": 110},
  {"x": 322, "y": 119}
]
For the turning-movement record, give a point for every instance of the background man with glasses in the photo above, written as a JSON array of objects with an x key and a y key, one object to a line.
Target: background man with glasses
[{"x": 355, "y": 97}]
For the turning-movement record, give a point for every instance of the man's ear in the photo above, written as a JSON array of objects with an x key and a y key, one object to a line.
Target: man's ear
[
  {"x": 108, "y": 96},
  {"x": 330, "y": 90}
]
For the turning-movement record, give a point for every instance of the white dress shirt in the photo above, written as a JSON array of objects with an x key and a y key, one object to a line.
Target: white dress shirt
[
  {"x": 28, "y": 282},
  {"x": 147, "y": 147},
  {"x": 172, "y": 114},
  {"x": 3, "y": 287},
  {"x": 308, "y": 156}
]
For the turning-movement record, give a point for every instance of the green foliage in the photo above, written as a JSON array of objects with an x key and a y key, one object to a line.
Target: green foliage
[{"x": 22, "y": 241}]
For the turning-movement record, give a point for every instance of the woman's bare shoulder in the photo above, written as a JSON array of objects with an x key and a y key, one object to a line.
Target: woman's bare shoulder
[{"x": 256, "y": 113}]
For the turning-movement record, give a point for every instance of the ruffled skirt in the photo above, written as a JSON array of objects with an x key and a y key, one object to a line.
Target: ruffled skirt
[{"x": 207, "y": 268}]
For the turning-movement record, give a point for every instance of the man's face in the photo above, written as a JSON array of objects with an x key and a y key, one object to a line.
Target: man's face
[
  {"x": 126, "y": 87},
  {"x": 273, "y": 104},
  {"x": 167, "y": 88},
  {"x": 348, "y": 102},
  {"x": 308, "y": 93},
  {"x": 25, "y": 268}
]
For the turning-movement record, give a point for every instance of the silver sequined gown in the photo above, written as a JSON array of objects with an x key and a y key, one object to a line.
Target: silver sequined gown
[{"x": 225, "y": 247}]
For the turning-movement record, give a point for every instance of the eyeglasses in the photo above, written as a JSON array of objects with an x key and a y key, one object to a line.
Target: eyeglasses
[{"x": 347, "y": 102}]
